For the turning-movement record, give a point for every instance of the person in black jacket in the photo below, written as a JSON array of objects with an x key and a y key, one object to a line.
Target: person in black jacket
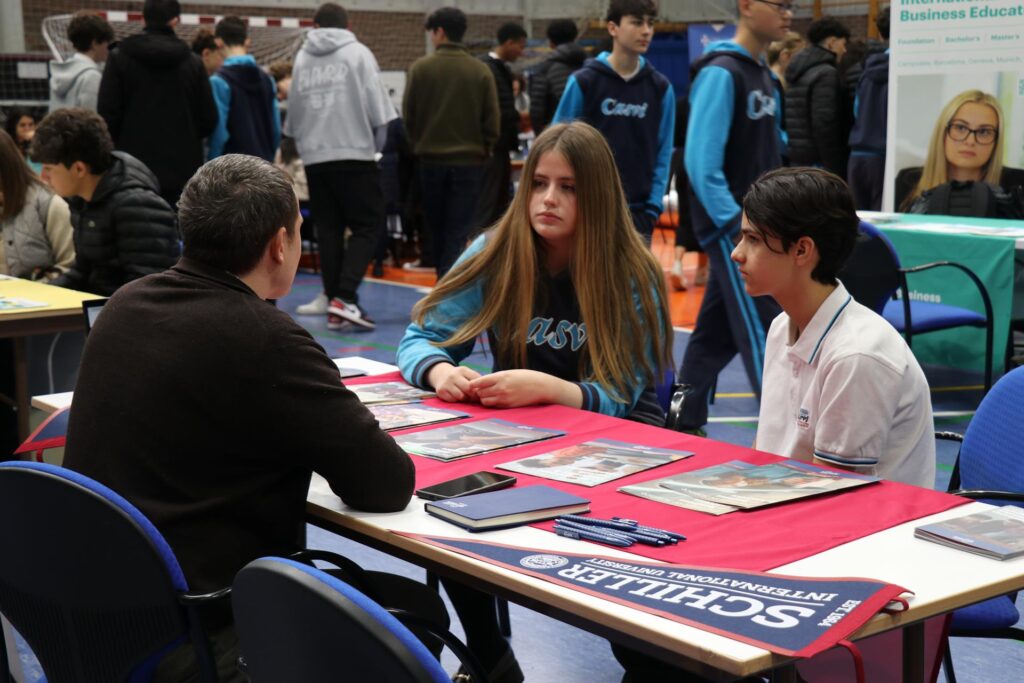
[
  {"x": 156, "y": 99},
  {"x": 547, "y": 82},
  {"x": 123, "y": 229},
  {"x": 209, "y": 409},
  {"x": 817, "y": 106},
  {"x": 495, "y": 190}
]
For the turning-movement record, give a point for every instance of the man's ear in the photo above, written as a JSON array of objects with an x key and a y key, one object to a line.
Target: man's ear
[
  {"x": 278, "y": 245},
  {"x": 248, "y": 43},
  {"x": 804, "y": 249},
  {"x": 80, "y": 169}
]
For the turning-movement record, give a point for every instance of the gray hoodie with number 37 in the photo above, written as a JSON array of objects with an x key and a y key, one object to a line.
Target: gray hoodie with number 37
[{"x": 337, "y": 99}]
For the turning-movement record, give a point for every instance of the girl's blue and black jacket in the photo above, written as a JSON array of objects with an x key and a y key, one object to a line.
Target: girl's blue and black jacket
[
  {"x": 556, "y": 339},
  {"x": 637, "y": 118},
  {"x": 734, "y": 135}
]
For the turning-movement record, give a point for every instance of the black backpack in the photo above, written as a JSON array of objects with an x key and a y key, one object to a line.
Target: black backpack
[{"x": 986, "y": 201}]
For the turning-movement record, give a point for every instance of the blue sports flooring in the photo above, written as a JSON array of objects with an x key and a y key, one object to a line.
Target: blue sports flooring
[{"x": 541, "y": 643}]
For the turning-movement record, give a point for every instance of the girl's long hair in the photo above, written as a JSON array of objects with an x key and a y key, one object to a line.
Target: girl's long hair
[
  {"x": 15, "y": 178},
  {"x": 936, "y": 167},
  {"x": 612, "y": 269}
]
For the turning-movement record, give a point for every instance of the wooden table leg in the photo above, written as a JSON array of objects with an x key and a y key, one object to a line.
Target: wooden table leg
[
  {"x": 913, "y": 653},
  {"x": 21, "y": 392}
]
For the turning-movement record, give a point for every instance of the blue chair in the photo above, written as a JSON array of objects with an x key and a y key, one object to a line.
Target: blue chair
[
  {"x": 989, "y": 468},
  {"x": 298, "y": 623},
  {"x": 89, "y": 582},
  {"x": 873, "y": 275}
]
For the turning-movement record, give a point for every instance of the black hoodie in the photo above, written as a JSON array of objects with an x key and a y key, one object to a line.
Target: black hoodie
[
  {"x": 156, "y": 99},
  {"x": 547, "y": 83},
  {"x": 817, "y": 111},
  {"x": 123, "y": 232}
]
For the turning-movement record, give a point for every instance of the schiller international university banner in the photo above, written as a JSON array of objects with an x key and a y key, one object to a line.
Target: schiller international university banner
[
  {"x": 943, "y": 52},
  {"x": 794, "y": 616}
]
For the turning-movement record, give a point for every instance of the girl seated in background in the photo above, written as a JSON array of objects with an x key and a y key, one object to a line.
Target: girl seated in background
[
  {"x": 35, "y": 224},
  {"x": 966, "y": 147},
  {"x": 21, "y": 126},
  {"x": 574, "y": 306}
]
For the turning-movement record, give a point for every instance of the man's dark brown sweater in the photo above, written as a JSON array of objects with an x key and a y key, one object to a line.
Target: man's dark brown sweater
[{"x": 208, "y": 408}]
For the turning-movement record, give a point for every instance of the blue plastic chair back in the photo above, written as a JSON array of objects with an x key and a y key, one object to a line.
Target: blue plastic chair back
[
  {"x": 990, "y": 457},
  {"x": 296, "y": 622},
  {"x": 871, "y": 274},
  {"x": 86, "y": 579}
]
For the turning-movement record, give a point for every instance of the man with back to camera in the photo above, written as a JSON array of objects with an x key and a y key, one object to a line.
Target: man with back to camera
[
  {"x": 548, "y": 79},
  {"x": 248, "y": 121},
  {"x": 817, "y": 104},
  {"x": 75, "y": 82},
  {"x": 338, "y": 111},
  {"x": 208, "y": 408},
  {"x": 633, "y": 106},
  {"x": 451, "y": 115},
  {"x": 733, "y": 136},
  {"x": 123, "y": 229},
  {"x": 156, "y": 99},
  {"x": 497, "y": 179}
]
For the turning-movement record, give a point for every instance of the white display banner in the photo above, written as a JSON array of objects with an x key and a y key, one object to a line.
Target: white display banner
[{"x": 941, "y": 50}]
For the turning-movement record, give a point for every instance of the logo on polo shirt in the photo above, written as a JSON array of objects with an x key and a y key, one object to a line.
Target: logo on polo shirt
[
  {"x": 612, "y": 107},
  {"x": 803, "y": 418}
]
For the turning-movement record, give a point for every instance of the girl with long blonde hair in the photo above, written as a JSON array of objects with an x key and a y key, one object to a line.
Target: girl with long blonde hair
[
  {"x": 574, "y": 306},
  {"x": 569, "y": 295},
  {"x": 966, "y": 145}
]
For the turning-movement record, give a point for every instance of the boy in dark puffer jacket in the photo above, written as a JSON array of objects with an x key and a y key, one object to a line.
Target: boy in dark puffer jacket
[{"x": 123, "y": 229}]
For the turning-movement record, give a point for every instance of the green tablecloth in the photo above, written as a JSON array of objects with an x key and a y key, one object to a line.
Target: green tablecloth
[{"x": 989, "y": 255}]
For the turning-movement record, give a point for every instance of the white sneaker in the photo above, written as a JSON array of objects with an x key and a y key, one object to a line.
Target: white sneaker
[
  {"x": 317, "y": 306},
  {"x": 676, "y": 278},
  {"x": 350, "y": 313},
  {"x": 416, "y": 267}
]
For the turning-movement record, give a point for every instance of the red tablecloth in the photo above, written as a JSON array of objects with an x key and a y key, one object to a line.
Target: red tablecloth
[{"x": 757, "y": 540}]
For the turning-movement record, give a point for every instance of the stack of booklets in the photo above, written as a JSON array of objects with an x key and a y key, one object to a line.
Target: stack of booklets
[
  {"x": 595, "y": 462},
  {"x": 507, "y": 508},
  {"x": 472, "y": 438},
  {"x": 738, "y": 485},
  {"x": 389, "y": 392},
  {"x": 393, "y": 416},
  {"x": 997, "y": 533}
]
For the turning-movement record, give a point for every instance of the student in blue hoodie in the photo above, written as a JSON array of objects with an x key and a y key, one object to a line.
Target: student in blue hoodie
[
  {"x": 249, "y": 121},
  {"x": 633, "y": 106},
  {"x": 733, "y": 137}
]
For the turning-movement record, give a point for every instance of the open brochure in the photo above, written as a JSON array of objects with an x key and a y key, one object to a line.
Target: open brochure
[
  {"x": 389, "y": 392},
  {"x": 15, "y": 303},
  {"x": 738, "y": 485},
  {"x": 594, "y": 462},
  {"x": 404, "y": 415},
  {"x": 472, "y": 438},
  {"x": 997, "y": 533}
]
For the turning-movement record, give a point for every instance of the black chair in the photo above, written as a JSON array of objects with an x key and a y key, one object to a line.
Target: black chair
[
  {"x": 873, "y": 275},
  {"x": 988, "y": 467},
  {"x": 89, "y": 582},
  {"x": 298, "y": 623}
]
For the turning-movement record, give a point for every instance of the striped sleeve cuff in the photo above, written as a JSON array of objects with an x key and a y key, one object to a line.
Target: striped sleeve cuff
[
  {"x": 420, "y": 370},
  {"x": 591, "y": 399},
  {"x": 844, "y": 460}
]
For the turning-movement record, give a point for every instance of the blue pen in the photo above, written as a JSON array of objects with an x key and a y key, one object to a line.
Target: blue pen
[
  {"x": 587, "y": 536},
  {"x": 660, "y": 533},
  {"x": 646, "y": 539},
  {"x": 638, "y": 526},
  {"x": 606, "y": 523},
  {"x": 622, "y": 535}
]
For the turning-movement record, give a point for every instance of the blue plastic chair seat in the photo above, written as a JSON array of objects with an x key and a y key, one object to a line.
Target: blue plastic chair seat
[
  {"x": 995, "y": 613},
  {"x": 929, "y": 317}
]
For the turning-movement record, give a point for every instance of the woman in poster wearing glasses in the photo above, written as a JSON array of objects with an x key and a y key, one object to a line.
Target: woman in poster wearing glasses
[{"x": 966, "y": 149}]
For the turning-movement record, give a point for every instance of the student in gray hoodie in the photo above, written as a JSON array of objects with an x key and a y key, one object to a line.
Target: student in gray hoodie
[
  {"x": 337, "y": 108},
  {"x": 75, "y": 82}
]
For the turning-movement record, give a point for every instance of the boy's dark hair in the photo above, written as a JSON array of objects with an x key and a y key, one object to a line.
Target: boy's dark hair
[
  {"x": 826, "y": 27},
  {"x": 157, "y": 13},
  {"x": 203, "y": 40},
  {"x": 331, "y": 15},
  {"x": 882, "y": 23},
  {"x": 630, "y": 8},
  {"x": 69, "y": 135},
  {"x": 451, "y": 19},
  {"x": 280, "y": 70},
  {"x": 231, "y": 208},
  {"x": 232, "y": 30},
  {"x": 790, "y": 203},
  {"x": 88, "y": 27},
  {"x": 510, "y": 31},
  {"x": 562, "y": 31}
]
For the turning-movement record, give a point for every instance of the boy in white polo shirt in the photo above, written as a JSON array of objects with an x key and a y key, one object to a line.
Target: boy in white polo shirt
[{"x": 841, "y": 386}]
